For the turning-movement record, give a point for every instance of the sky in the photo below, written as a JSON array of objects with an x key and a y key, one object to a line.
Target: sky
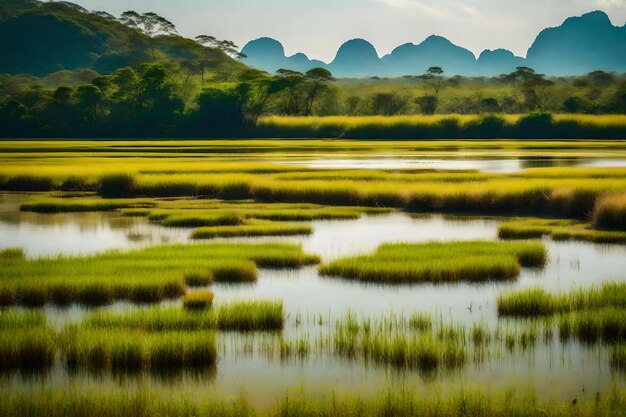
[{"x": 319, "y": 27}]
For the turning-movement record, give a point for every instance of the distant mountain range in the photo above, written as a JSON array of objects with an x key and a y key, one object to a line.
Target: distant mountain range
[{"x": 580, "y": 45}]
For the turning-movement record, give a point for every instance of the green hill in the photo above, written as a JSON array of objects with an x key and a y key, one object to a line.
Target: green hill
[{"x": 42, "y": 38}]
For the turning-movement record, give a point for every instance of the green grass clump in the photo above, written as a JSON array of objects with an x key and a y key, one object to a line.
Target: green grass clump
[
  {"x": 202, "y": 220},
  {"x": 610, "y": 213},
  {"x": 558, "y": 230},
  {"x": 12, "y": 253},
  {"x": 259, "y": 315},
  {"x": 532, "y": 302},
  {"x": 198, "y": 300},
  {"x": 68, "y": 205},
  {"x": 132, "y": 350},
  {"x": 538, "y": 302},
  {"x": 251, "y": 316},
  {"x": 143, "y": 276},
  {"x": 440, "y": 262},
  {"x": 252, "y": 230},
  {"x": 26, "y": 341}
]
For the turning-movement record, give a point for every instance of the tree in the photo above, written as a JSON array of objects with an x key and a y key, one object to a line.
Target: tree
[
  {"x": 529, "y": 88},
  {"x": 290, "y": 83},
  {"x": 211, "y": 42},
  {"x": 388, "y": 104},
  {"x": 150, "y": 24},
  {"x": 433, "y": 84},
  {"x": 317, "y": 80}
]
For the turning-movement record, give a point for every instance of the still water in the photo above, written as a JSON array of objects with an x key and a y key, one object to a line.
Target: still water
[{"x": 562, "y": 370}]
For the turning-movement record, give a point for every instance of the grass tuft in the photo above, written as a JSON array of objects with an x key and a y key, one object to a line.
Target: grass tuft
[{"x": 198, "y": 300}]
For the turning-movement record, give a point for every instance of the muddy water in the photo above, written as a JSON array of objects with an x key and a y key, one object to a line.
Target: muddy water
[{"x": 556, "y": 370}]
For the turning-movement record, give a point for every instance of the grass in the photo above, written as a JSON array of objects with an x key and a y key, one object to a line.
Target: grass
[
  {"x": 442, "y": 127},
  {"x": 258, "y": 315},
  {"x": 466, "y": 403},
  {"x": 538, "y": 302},
  {"x": 610, "y": 213},
  {"x": 252, "y": 230},
  {"x": 440, "y": 262},
  {"x": 558, "y": 230},
  {"x": 198, "y": 300},
  {"x": 12, "y": 253},
  {"x": 26, "y": 341},
  {"x": 142, "y": 276},
  {"x": 129, "y": 350},
  {"x": 70, "y": 205}
]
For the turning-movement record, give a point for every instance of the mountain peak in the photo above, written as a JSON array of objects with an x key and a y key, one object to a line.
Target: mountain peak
[
  {"x": 595, "y": 17},
  {"x": 356, "y": 47},
  {"x": 264, "y": 45}
]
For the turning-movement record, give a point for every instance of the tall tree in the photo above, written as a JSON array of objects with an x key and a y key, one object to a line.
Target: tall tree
[
  {"x": 529, "y": 88},
  {"x": 150, "y": 24},
  {"x": 317, "y": 80},
  {"x": 433, "y": 84}
]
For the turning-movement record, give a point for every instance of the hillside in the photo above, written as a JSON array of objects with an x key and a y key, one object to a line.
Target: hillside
[{"x": 43, "y": 38}]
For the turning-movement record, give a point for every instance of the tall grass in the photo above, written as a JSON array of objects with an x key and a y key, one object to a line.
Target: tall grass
[
  {"x": 610, "y": 213},
  {"x": 258, "y": 315},
  {"x": 440, "y": 262},
  {"x": 26, "y": 341},
  {"x": 538, "y": 302},
  {"x": 198, "y": 300},
  {"x": 143, "y": 276},
  {"x": 12, "y": 253},
  {"x": 558, "y": 230},
  {"x": 130, "y": 350}
]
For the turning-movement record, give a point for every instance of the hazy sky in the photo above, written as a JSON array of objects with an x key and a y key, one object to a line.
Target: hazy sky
[{"x": 319, "y": 27}]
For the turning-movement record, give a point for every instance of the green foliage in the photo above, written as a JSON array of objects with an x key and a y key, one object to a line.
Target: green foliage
[{"x": 439, "y": 262}]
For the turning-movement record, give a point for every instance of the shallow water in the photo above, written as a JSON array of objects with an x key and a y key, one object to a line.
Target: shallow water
[
  {"x": 469, "y": 162},
  {"x": 554, "y": 370}
]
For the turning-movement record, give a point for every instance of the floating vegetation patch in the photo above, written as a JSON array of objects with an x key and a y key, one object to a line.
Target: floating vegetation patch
[
  {"x": 70, "y": 205},
  {"x": 142, "y": 276},
  {"x": 440, "y": 262},
  {"x": 558, "y": 230}
]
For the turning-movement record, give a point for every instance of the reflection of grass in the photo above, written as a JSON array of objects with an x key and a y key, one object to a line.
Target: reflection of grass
[
  {"x": 126, "y": 403},
  {"x": 558, "y": 230},
  {"x": 618, "y": 357},
  {"x": 440, "y": 262},
  {"x": 607, "y": 325},
  {"x": 143, "y": 276},
  {"x": 538, "y": 302},
  {"x": 238, "y": 315},
  {"x": 63, "y": 205}
]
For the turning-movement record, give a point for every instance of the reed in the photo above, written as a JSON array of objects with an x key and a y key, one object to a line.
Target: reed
[
  {"x": 133, "y": 350},
  {"x": 538, "y": 302},
  {"x": 26, "y": 342},
  {"x": 558, "y": 230},
  {"x": 257, "y": 315},
  {"x": 440, "y": 262},
  {"x": 618, "y": 358},
  {"x": 610, "y": 213}
]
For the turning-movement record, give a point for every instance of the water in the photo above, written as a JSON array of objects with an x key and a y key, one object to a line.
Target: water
[
  {"x": 555, "y": 370},
  {"x": 470, "y": 162}
]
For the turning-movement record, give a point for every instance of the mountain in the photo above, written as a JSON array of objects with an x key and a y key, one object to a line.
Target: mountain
[
  {"x": 435, "y": 50},
  {"x": 41, "y": 38},
  {"x": 356, "y": 58},
  {"x": 580, "y": 45},
  {"x": 268, "y": 54},
  {"x": 499, "y": 61}
]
